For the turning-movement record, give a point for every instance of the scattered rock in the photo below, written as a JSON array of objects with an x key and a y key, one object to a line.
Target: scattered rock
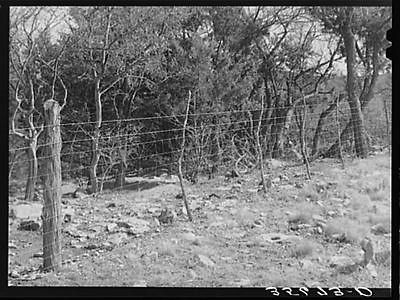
[
  {"x": 277, "y": 237},
  {"x": 236, "y": 187},
  {"x": 318, "y": 218},
  {"x": 140, "y": 283},
  {"x": 276, "y": 180},
  {"x": 138, "y": 226},
  {"x": 379, "y": 229},
  {"x": 213, "y": 195},
  {"x": 275, "y": 164},
  {"x": 348, "y": 269},
  {"x": 167, "y": 216},
  {"x": 283, "y": 177},
  {"x": 306, "y": 264},
  {"x": 331, "y": 213},
  {"x": 153, "y": 256},
  {"x": 312, "y": 284},
  {"x": 321, "y": 187},
  {"x": 26, "y": 211},
  {"x": 14, "y": 274},
  {"x": 92, "y": 246},
  {"x": 258, "y": 223},
  {"x": 133, "y": 257},
  {"x": 299, "y": 185},
  {"x": 156, "y": 222},
  {"x": 205, "y": 260},
  {"x": 190, "y": 237},
  {"x": 372, "y": 270},
  {"x": 79, "y": 193},
  {"x": 75, "y": 244},
  {"x": 29, "y": 225},
  {"x": 75, "y": 233},
  {"x": 112, "y": 227},
  {"x": 37, "y": 196},
  {"x": 107, "y": 246},
  {"x": 193, "y": 274},
  {"x": 11, "y": 245},
  {"x": 340, "y": 261},
  {"x": 68, "y": 214},
  {"x": 340, "y": 237},
  {"x": 242, "y": 282}
]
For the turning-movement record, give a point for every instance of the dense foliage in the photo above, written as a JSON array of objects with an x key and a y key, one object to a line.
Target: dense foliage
[{"x": 128, "y": 72}]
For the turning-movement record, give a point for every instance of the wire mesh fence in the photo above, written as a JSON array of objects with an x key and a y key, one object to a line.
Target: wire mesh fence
[{"x": 139, "y": 153}]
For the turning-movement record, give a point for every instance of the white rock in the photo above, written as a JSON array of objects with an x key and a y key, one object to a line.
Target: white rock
[
  {"x": 331, "y": 213},
  {"x": 306, "y": 264},
  {"x": 205, "y": 260},
  {"x": 117, "y": 238},
  {"x": 190, "y": 237},
  {"x": 112, "y": 227},
  {"x": 318, "y": 218},
  {"x": 340, "y": 261},
  {"x": 26, "y": 211}
]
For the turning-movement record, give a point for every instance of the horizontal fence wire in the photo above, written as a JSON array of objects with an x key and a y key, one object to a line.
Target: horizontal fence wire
[
  {"x": 150, "y": 142},
  {"x": 159, "y": 117},
  {"x": 136, "y": 134},
  {"x": 328, "y": 134}
]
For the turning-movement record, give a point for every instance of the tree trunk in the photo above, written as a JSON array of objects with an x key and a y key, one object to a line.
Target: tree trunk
[
  {"x": 120, "y": 176},
  {"x": 121, "y": 172},
  {"x": 280, "y": 129},
  {"x": 52, "y": 188},
  {"x": 95, "y": 139},
  {"x": 320, "y": 126},
  {"x": 355, "y": 107},
  {"x": 32, "y": 170},
  {"x": 385, "y": 107},
  {"x": 365, "y": 98}
]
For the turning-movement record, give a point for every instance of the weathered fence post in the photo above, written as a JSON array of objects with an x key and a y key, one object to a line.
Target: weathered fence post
[{"x": 51, "y": 214}]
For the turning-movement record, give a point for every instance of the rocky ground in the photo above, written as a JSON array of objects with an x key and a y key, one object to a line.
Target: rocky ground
[{"x": 334, "y": 230}]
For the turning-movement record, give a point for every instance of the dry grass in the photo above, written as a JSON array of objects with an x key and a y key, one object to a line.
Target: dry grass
[
  {"x": 359, "y": 201},
  {"x": 352, "y": 231},
  {"x": 166, "y": 248},
  {"x": 303, "y": 213},
  {"x": 245, "y": 217},
  {"x": 302, "y": 249},
  {"x": 309, "y": 193}
]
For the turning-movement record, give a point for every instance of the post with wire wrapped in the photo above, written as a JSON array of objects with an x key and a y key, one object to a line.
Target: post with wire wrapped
[{"x": 51, "y": 214}]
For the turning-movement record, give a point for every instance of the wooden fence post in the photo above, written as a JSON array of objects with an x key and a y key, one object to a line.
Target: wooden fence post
[{"x": 51, "y": 214}]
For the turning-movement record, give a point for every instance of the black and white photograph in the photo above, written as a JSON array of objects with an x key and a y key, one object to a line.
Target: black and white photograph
[{"x": 200, "y": 147}]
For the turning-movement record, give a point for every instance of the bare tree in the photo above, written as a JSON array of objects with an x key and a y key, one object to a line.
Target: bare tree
[{"x": 28, "y": 27}]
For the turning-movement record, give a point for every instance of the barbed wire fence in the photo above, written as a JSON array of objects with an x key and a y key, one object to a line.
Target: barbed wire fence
[{"x": 217, "y": 143}]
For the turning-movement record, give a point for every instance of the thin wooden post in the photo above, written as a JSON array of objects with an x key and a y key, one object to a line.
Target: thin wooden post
[
  {"x": 303, "y": 139},
  {"x": 180, "y": 162},
  {"x": 51, "y": 214},
  {"x": 338, "y": 132},
  {"x": 260, "y": 156}
]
